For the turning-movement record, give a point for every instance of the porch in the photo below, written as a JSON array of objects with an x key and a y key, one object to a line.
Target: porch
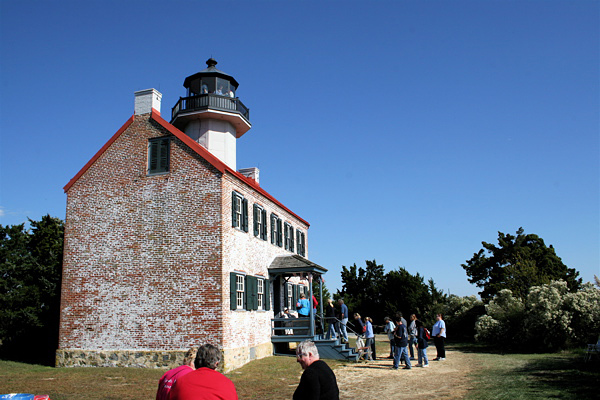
[{"x": 286, "y": 330}]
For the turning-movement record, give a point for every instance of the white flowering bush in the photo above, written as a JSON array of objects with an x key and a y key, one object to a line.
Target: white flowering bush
[
  {"x": 548, "y": 323},
  {"x": 550, "y": 318},
  {"x": 502, "y": 325},
  {"x": 584, "y": 307},
  {"x": 461, "y": 313}
]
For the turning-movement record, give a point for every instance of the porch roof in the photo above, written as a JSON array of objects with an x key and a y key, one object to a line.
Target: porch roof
[{"x": 288, "y": 265}]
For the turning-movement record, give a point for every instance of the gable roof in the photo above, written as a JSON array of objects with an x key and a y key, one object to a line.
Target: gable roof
[{"x": 196, "y": 147}]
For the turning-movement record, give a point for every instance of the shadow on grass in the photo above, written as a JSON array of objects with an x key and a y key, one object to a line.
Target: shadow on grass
[{"x": 564, "y": 374}]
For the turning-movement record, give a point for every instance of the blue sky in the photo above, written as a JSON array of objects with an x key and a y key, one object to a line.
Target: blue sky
[{"x": 402, "y": 131}]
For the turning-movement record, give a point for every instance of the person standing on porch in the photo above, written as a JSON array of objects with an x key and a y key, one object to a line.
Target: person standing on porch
[
  {"x": 344, "y": 318},
  {"x": 303, "y": 306},
  {"x": 330, "y": 318}
]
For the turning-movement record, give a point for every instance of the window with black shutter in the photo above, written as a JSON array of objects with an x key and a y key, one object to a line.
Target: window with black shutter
[
  {"x": 239, "y": 211},
  {"x": 289, "y": 237},
  {"x": 158, "y": 155},
  {"x": 276, "y": 231},
  {"x": 300, "y": 243},
  {"x": 260, "y": 222}
]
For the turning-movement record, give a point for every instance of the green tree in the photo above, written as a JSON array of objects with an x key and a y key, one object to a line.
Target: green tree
[
  {"x": 517, "y": 263},
  {"x": 30, "y": 277},
  {"x": 371, "y": 292},
  {"x": 362, "y": 289}
]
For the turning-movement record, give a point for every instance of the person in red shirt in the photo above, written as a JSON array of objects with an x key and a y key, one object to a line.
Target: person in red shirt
[
  {"x": 205, "y": 383},
  {"x": 170, "y": 377}
]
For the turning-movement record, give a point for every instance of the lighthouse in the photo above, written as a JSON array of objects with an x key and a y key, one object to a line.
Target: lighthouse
[{"x": 211, "y": 113}]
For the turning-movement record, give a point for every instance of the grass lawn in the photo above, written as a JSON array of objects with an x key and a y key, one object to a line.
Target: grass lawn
[
  {"x": 503, "y": 376},
  {"x": 533, "y": 376}
]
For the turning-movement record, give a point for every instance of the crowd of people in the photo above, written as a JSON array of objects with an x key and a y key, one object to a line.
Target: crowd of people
[
  {"x": 198, "y": 377},
  {"x": 408, "y": 341}
]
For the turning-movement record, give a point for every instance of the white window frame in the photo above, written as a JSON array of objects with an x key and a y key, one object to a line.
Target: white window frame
[
  {"x": 260, "y": 295},
  {"x": 290, "y": 296},
  {"x": 238, "y": 211},
  {"x": 240, "y": 289}
]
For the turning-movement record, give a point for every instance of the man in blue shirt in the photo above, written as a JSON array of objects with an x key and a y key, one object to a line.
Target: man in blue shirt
[{"x": 439, "y": 337}]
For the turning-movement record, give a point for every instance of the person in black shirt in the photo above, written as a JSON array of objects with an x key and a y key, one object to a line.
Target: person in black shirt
[{"x": 318, "y": 380}]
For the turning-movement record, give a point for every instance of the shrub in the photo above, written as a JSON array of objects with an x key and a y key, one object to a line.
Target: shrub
[{"x": 551, "y": 318}]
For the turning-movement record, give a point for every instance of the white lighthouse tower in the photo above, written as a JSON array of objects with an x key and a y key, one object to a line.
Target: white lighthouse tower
[{"x": 211, "y": 113}]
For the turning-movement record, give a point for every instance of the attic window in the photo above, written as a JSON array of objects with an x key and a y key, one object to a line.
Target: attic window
[{"x": 158, "y": 155}]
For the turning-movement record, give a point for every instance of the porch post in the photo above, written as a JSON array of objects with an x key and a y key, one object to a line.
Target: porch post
[
  {"x": 311, "y": 313},
  {"x": 321, "y": 304}
]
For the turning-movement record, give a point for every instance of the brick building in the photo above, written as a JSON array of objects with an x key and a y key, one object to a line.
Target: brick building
[{"x": 167, "y": 245}]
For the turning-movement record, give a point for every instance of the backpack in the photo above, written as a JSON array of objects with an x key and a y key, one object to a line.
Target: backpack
[{"x": 427, "y": 334}]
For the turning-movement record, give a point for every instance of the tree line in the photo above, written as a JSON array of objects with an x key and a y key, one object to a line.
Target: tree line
[
  {"x": 30, "y": 278},
  {"x": 529, "y": 299}
]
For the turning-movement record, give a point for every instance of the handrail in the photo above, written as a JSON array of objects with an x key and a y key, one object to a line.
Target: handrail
[{"x": 210, "y": 100}]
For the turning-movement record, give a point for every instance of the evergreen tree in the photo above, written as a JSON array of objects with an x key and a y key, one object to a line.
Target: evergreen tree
[
  {"x": 517, "y": 263},
  {"x": 30, "y": 277}
]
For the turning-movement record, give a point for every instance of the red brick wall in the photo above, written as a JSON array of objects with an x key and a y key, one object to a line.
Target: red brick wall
[{"x": 142, "y": 265}]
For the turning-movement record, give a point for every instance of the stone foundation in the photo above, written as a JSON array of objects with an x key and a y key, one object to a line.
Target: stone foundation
[
  {"x": 119, "y": 358},
  {"x": 235, "y": 358},
  {"x": 232, "y": 358}
]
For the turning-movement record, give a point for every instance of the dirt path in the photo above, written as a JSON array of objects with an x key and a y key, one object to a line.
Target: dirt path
[{"x": 376, "y": 380}]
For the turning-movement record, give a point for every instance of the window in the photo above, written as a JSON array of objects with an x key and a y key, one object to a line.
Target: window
[
  {"x": 300, "y": 243},
  {"x": 289, "y": 295},
  {"x": 276, "y": 234},
  {"x": 239, "y": 292},
  {"x": 289, "y": 237},
  {"x": 158, "y": 155},
  {"x": 239, "y": 211},
  {"x": 248, "y": 292},
  {"x": 260, "y": 294},
  {"x": 260, "y": 222}
]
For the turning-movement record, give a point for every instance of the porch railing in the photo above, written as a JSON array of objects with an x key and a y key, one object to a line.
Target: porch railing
[{"x": 213, "y": 101}]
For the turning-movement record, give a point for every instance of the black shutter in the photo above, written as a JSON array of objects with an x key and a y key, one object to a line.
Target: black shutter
[
  {"x": 164, "y": 156},
  {"x": 245, "y": 215},
  {"x": 267, "y": 302},
  {"x": 291, "y": 239},
  {"x": 296, "y": 295},
  {"x": 233, "y": 291},
  {"x": 286, "y": 236},
  {"x": 273, "y": 233},
  {"x": 263, "y": 234},
  {"x": 256, "y": 212},
  {"x": 234, "y": 214},
  {"x": 152, "y": 156},
  {"x": 279, "y": 233},
  {"x": 251, "y": 293}
]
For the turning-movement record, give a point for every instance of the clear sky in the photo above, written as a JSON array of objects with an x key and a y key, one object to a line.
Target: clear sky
[{"x": 403, "y": 131}]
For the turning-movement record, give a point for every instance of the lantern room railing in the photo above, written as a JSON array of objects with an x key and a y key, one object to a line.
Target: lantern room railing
[{"x": 212, "y": 101}]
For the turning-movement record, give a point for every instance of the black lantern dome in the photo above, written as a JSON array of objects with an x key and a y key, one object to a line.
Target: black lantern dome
[
  {"x": 211, "y": 80},
  {"x": 211, "y": 93}
]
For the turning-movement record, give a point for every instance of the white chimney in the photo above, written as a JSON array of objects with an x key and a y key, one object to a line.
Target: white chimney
[
  {"x": 252, "y": 172},
  {"x": 146, "y": 100}
]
